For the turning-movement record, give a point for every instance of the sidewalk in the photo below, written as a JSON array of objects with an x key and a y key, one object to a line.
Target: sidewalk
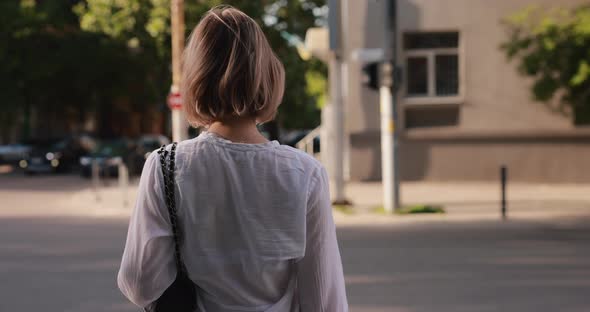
[
  {"x": 462, "y": 201},
  {"x": 73, "y": 196}
]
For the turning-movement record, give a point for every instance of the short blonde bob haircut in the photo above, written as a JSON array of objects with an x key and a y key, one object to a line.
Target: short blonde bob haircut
[{"x": 230, "y": 70}]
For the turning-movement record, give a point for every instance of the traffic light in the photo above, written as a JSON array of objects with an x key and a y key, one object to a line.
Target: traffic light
[
  {"x": 371, "y": 75},
  {"x": 376, "y": 74}
]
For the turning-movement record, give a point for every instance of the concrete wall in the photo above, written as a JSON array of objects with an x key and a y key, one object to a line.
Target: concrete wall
[
  {"x": 496, "y": 112},
  {"x": 550, "y": 157}
]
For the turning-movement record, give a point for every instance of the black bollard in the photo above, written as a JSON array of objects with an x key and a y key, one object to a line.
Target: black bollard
[{"x": 503, "y": 177}]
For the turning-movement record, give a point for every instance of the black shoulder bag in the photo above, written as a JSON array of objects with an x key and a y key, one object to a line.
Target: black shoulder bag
[{"x": 181, "y": 296}]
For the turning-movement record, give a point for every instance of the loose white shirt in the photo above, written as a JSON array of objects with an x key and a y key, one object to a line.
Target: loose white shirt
[{"x": 257, "y": 226}]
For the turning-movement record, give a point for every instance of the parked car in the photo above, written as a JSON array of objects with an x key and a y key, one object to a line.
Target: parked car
[
  {"x": 13, "y": 153},
  {"x": 61, "y": 156},
  {"x": 107, "y": 155},
  {"x": 144, "y": 146}
]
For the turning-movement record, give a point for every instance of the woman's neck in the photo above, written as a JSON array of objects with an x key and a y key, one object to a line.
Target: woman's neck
[{"x": 238, "y": 130}]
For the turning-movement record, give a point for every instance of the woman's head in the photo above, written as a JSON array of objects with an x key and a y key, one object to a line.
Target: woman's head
[{"x": 230, "y": 70}]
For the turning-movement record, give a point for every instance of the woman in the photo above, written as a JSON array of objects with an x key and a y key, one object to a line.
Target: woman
[{"x": 255, "y": 215}]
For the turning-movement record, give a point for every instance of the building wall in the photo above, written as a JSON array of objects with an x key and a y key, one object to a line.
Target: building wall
[
  {"x": 549, "y": 157},
  {"x": 503, "y": 124}
]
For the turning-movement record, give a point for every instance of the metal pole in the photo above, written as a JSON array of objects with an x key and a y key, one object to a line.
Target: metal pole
[
  {"x": 338, "y": 128},
  {"x": 387, "y": 129},
  {"x": 179, "y": 124},
  {"x": 336, "y": 103},
  {"x": 123, "y": 181},
  {"x": 503, "y": 180},
  {"x": 389, "y": 172},
  {"x": 95, "y": 171},
  {"x": 344, "y": 81},
  {"x": 395, "y": 87}
]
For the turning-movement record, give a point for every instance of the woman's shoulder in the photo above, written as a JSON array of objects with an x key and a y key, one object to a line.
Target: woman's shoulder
[
  {"x": 199, "y": 147},
  {"x": 308, "y": 162}
]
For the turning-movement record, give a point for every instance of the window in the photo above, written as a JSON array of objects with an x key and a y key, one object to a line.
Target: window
[
  {"x": 418, "y": 75},
  {"x": 432, "y": 64}
]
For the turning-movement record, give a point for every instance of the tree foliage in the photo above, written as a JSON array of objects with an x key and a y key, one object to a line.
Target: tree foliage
[
  {"x": 146, "y": 23},
  {"x": 553, "y": 47},
  {"x": 75, "y": 57},
  {"x": 53, "y": 67}
]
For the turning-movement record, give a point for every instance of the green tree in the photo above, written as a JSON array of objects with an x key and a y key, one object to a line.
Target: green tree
[
  {"x": 145, "y": 24},
  {"x": 52, "y": 67},
  {"x": 553, "y": 47},
  {"x": 9, "y": 105},
  {"x": 40, "y": 68}
]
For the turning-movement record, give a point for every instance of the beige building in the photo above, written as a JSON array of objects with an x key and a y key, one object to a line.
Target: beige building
[{"x": 463, "y": 109}]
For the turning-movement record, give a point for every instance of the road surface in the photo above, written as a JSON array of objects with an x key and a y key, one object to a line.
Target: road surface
[{"x": 68, "y": 263}]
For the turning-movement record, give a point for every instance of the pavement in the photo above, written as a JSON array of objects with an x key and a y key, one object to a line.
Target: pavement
[
  {"x": 69, "y": 195},
  {"x": 61, "y": 242},
  {"x": 471, "y": 201}
]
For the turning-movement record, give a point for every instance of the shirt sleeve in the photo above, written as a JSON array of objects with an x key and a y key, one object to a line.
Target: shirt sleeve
[
  {"x": 147, "y": 268},
  {"x": 320, "y": 278}
]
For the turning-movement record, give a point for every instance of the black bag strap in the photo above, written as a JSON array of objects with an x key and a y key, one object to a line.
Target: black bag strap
[{"x": 167, "y": 164}]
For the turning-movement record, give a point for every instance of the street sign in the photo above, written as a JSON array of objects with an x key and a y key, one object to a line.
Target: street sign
[
  {"x": 174, "y": 100},
  {"x": 369, "y": 55}
]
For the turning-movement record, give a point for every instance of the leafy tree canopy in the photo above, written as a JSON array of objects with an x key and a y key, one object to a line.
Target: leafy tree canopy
[
  {"x": 553, "y": 47},
  {"x": 146, "y": 23},
  {"x": 80, "y": 56}
]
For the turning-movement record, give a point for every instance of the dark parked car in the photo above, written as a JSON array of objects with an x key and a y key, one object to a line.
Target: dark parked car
[
  {"x": 61, "y": 156},
  {"x": 144, "y": 146},
  {"x": 107, "y": 156},
  {"x": 13, "y": 153}
]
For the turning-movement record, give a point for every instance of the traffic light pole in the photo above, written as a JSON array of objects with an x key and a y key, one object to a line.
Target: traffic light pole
[
  {"x": 389, "y": 141},
  {"x": 179, "y": 124},
  {"x": 337, "y": 122},
  {"x": 336, "y": 131}
]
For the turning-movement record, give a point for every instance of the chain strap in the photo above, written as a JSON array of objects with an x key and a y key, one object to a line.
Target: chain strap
[{"x": 167, "y": 163}]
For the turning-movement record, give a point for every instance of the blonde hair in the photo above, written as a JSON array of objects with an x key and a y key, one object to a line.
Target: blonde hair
[{"x": 230, "y": 70}]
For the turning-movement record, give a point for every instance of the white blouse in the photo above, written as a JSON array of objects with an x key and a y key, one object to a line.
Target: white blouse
[{"x": 257, "y": 225}]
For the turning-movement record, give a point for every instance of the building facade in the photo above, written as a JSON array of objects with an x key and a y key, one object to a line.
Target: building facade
[{"x": 463, "y": 109}]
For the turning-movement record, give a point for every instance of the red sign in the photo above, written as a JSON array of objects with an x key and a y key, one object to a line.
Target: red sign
[{"x": 174, "y": 101}]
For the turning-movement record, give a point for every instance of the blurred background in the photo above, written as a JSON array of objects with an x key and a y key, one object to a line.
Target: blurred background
[{"x": 456, "y": 135}]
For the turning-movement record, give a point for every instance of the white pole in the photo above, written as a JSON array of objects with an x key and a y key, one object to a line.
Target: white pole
[
  {"x": 337, "y": 114},
  {"x": 95, "y": 171},
  {"x": 123, "y": 181},
  {"x": 345, "y": 29},
  {"x": 326, "y": 136},
  {"x": 387, "y": 129},
  {"x": 179, "y": 124},
  {"x": 389, "y": 174}
]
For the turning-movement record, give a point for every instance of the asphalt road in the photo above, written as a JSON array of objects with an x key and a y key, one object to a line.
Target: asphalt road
[{"x": 69, "y": 264}]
